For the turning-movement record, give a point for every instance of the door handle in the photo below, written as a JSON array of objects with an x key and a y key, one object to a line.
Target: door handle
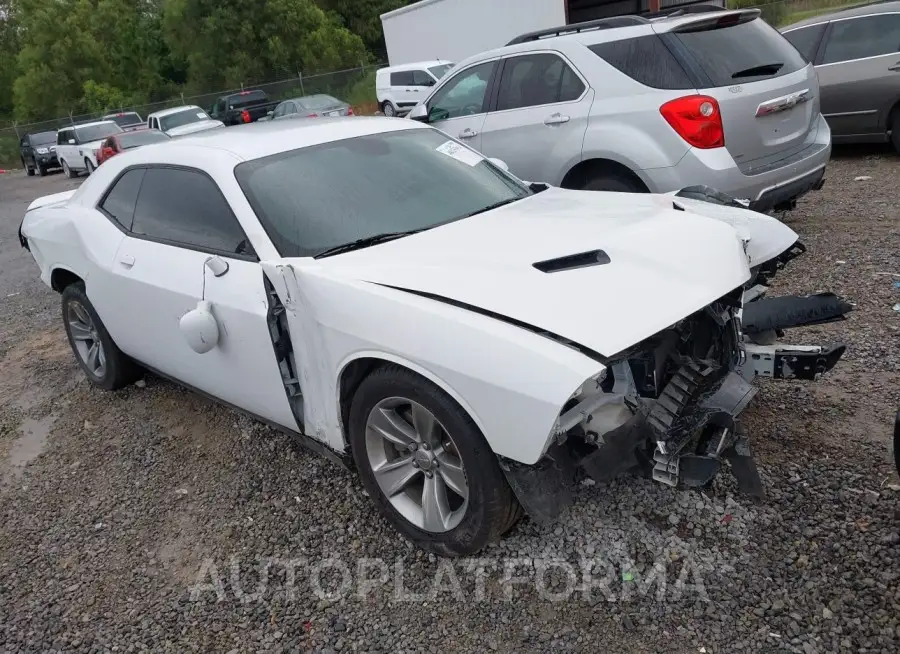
[
  {"x": 895, "y": 67},
  {"x": 468, "y": 133},
  {"x": 556, "y": 119},
  {"x": 126, "y": 260}
]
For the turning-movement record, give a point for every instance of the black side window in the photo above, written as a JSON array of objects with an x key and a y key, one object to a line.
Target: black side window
[
  {"x": 857, "y": 38},
  {"x": 119, "y": 202},
  {"x": 806, "y": 39},
  {"x": 421, "y": 78},
  {"x": 402, "y": 78},
  {"x": 186, "y": 207},
  {"x": 537, "y": 79},
  {"x": 645, "y": 59}
]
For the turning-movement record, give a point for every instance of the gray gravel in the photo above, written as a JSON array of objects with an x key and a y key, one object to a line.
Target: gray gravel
[{"x": 113, "y": 506}]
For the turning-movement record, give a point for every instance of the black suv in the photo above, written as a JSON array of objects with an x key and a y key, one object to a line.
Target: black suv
[{"x": 38, "y": 152}]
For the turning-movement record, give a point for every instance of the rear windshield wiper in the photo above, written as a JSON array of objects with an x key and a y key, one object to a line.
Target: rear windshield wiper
[
  {"x": 763, "y": 69},
  {"x": 361, "y": 243}
]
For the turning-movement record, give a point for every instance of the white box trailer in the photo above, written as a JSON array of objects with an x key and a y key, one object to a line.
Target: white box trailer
[{"x": 456, "y": 29}]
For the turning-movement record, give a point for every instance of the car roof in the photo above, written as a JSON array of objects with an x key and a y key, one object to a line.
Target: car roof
[
  {"x": 261, "y": 139},
  {"x": 49, "y": 131},
  {"x": 414, "y": 66},
  {"x": 91, "y": 124},
  {"x": 880, "y": 7},
  {"x": 173, "y": 110}
]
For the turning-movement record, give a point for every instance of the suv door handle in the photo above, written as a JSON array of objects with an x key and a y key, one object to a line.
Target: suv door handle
[
  {"x": 468, "y": 133},
  {"x": 126, "y": 260},
  {"x": 895, "y": 67},
  {"x": 556, "y": 119}
]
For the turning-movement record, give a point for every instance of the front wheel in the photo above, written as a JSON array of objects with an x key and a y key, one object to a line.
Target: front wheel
[
  {"x": 89, "y": 166},
  {"x": 28, "y": 169},
  {"x": 101, "y": 360},
  {"x": 388, "y": 109},
  {"x": 427, "y": 466}
]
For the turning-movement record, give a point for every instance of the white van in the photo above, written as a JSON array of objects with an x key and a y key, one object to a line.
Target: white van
[{"x": 400, "y": 88}]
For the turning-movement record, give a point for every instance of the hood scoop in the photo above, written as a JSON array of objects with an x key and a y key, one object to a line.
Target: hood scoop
[{"x": 573, "y": 261}]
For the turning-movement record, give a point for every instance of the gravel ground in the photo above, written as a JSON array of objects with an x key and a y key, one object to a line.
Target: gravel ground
[{"x": 151, "y": 519}]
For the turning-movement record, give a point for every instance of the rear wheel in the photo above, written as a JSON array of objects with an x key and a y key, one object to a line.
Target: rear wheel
[
  {"x": 68, "y": 171},
  {"x": 895, "y": 128},
  {"x": 101, "y": 360},
  {"x": 28, "y": 169},
  {"x": 613, "y": 182},
  {"x": 427, "y": 466},
  {"x": 88, "y": 166},
  {"x": 41, "y": 171},
  {"x": 387, "y": 108}
]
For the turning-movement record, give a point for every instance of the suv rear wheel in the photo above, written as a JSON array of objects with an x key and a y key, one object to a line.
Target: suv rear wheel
[
  {"x": 387, "y": 108},
  {"x": 614, "y": 182},
  {"x": 68, "y": 171}
]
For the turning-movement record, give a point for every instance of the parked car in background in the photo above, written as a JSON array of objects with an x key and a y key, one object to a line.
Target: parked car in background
[
  {"x": 118, "y": 143},
  {"x": 311, "y": 106},
  {"x": 856, "y": 53},
  {"x": 127, "y": 120},
  {"x": 242, "y": 107},
  {"x": 38, "y": 152},
  {"x": 400, "y": 88},
  {"x": 180, "y": 121},
  {"x": 631, "y": 104},
  {"x": 76, "y": 146}
]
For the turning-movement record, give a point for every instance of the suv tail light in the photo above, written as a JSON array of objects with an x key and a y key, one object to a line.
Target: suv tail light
[
  {"x": 696, "y": 119},
  {"x": 350, "y": 111},
  {"x": 245, "y": 116}
]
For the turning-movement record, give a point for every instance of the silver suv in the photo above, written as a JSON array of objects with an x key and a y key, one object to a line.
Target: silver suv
[{"x": 715, "y": 98}]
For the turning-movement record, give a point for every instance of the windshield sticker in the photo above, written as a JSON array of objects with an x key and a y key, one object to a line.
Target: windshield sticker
[
  {"x": 200, "y": 114},
  {"x": 460, "y": 153}
]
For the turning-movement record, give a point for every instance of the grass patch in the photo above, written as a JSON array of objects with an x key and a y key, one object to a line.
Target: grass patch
[{"x": 9, "y": 152}]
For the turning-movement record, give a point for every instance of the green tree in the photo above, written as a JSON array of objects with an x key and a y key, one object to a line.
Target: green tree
[
  {"x": 229, "y": 42},
  {"x": 363, "y": 17}
]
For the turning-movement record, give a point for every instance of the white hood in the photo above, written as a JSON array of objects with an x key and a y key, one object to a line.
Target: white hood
[
  {"x": 192, "y": 128},
  {"x": 664, "y": 264}
]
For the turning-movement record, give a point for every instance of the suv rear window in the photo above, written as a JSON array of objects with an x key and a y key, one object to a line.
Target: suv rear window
[
  {"x": 645, "y": 59},
  {"x": 741, "y": 53}
]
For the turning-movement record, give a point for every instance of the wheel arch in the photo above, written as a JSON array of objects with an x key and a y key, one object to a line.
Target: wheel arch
[
  {"x": 353, "y": 371},
  {"x": 578, "y": 174},
  {"x": 61, "y": 277}
]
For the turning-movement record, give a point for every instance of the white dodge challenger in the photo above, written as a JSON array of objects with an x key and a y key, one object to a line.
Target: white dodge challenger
[{"x": 469, "y": 342}]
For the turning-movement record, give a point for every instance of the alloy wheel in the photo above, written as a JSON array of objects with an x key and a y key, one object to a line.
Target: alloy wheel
[
  {"x": 86, "y": 339},
  {"x": 416, "y": 464}
]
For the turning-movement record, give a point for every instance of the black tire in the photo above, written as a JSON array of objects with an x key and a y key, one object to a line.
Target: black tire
[
  {"x": 28, "y": 169},
  {"x": 895, "y": 128},
  {"x": 388, "y": 109},
  {"x": 88, "y": 166},
  {"x": 613, "y": 182},
  {"x": 120, "y": 370},
  {"x": 492, "y": 507},
  {"x": 41, "y": 171},
  {"x": 71, "y": 174}
]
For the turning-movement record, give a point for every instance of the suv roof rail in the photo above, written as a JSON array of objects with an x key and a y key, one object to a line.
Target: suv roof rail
[
  {"x": 574, "y": 28},
  {"x": 680, "y": 11}
]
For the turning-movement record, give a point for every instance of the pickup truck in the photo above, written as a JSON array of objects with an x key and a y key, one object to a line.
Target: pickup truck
[{"x": 242, "y": 107}]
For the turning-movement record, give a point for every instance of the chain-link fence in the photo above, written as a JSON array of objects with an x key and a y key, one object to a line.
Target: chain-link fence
[{"x": 355, "y": 86}]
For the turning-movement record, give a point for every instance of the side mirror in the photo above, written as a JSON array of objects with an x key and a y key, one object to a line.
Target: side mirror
[
  {"x": 217, "y": 265},
  {"x": 419, "y": 112},
  {"x": 499, "y": 163},
  {"x": 270, "y": 113}
]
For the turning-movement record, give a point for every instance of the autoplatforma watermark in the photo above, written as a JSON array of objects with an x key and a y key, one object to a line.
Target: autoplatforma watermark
[{"x": 590, "y": 579}]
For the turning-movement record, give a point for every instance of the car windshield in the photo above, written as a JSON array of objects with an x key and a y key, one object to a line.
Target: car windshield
[
  {"x": 440, "y": 71},
  {"x": 43, "y": 138},
  {"x": 135, "y": 139},
  {"x": 184, "y": 117},
  {"x": 127, "y": 119},
  {"x": 319, "y": 102},
  {"x": 97, "y": 132},
  {"x": 246, "y": 99},
  {"x": 401, "y": 181}
]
